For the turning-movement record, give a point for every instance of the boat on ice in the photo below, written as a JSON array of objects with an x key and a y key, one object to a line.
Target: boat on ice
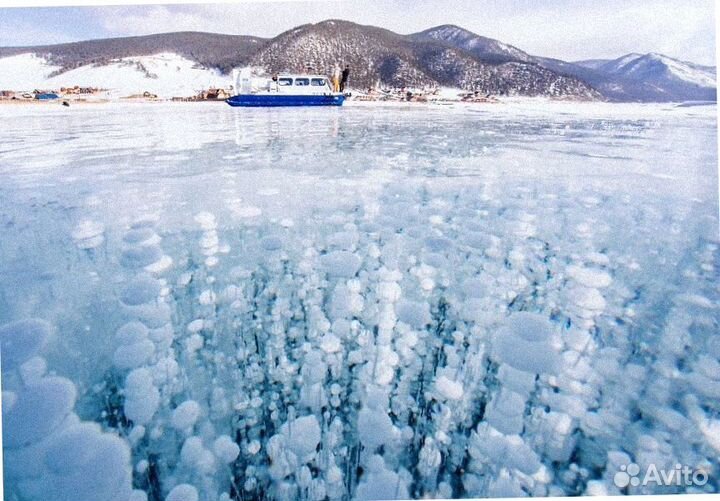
[{"x": 283, "y": 90}]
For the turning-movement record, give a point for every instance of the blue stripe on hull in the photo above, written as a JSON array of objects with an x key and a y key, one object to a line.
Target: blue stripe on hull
[{"x": 284, "y": 100}]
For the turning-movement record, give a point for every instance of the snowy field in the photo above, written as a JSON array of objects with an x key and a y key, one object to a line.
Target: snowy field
[
  {"x": 206, "y": 303},
  {"x": 164, "y": 74}
]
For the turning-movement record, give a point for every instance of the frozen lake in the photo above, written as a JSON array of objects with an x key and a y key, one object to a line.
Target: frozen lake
[{"x": 365, "y": 302}]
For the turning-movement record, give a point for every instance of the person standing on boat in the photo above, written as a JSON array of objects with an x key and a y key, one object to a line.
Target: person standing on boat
[
  {"x": 336, "y": 79},
  {"x": 345, "y": 76}
]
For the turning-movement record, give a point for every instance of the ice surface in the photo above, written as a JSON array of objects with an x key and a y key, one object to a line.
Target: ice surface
[
  {"x": 141, "y": 396},
  {"x": 358, "y": 303},
  {"x": 20, "y": 340},
  {"x": 381, "y": 483},
  {"x": 83, "y": 463},
  {"x": 185, "y": 415},
  {"x": 38, "y": 410},
  {"x": 302, "y": 436},
  {"x": 50, "y": 449},
  {"x": 448, "y": 388},
  {"x": 341, "y": 263},
  {"x": 195, "y": 456},
  {"x": 525, "y": 343},
  {"x": 375, "y": 428},
  {"x": 141, "y": 290},
  {"x": 226, "y": 449},
  {"x": 88, "y": 234},
  {"x": 183, "y": 492},
  {"x": 133, "y": 355},
  {"x": 132, "y": 332}
]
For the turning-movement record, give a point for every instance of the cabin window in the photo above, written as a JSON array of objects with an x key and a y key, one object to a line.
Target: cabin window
[
  {"x": 302, "y": 81},
  {"x": 318, "y": 82},
  {"x": 284, "y": 81}
]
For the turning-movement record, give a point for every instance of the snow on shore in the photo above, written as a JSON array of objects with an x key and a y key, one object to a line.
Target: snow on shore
[{"x": 165, "y": 74}]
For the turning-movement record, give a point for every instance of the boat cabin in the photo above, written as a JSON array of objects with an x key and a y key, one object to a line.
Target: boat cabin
[
  {"x": 283, "y": 89},
  {"x": 283, "y": 83}
]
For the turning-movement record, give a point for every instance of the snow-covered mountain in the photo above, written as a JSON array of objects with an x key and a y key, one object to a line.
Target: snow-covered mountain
[
  {"x": 180, "y": 64},
  {"x": 485, "y": 48},
  {"x": 376, "y": 54},
  {"x": 612, "y": 66},
  {"x": 210, "y": 50},
  {"x": 592, "y": 64},
  {"x": 660, "y": 69},
  {"x": 632, "y": 77},
  {"x": 651, "y": 77}
]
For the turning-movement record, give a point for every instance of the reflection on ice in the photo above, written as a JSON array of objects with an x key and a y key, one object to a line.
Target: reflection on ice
[{"x": 357, "y": 303}]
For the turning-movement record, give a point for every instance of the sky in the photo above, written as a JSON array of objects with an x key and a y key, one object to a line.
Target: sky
[{"x": 565, "y": 29}]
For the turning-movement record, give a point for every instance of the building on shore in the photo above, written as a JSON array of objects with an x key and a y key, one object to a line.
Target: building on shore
[
  {"x": 79, "y": 90},
  {"x": 213, "y": 94}
]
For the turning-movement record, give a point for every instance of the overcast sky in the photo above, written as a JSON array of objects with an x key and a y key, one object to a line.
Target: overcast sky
[{"x": 566, "y": 29}]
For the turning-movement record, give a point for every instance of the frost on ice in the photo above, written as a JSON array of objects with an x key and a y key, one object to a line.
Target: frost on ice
[{"x": 435, "y": 322}]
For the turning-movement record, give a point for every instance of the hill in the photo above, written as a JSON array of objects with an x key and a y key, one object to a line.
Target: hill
[
  {"x": 379, "y": 55},
  {"x": 446, "y": 55},
  {"x": 376, "y": 56},
  {"x": 632, "y": 77},
  {"x": 210, "y": 50}
]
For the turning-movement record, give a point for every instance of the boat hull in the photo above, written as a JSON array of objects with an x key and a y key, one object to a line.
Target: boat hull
[{"x": 264, "y": 100}]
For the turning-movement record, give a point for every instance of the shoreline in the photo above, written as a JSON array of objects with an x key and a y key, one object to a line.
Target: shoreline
[
  {"x": 348, "y": 102},
  {"x": 355, "y": 98},
  {"x": 351, "y": 102}
]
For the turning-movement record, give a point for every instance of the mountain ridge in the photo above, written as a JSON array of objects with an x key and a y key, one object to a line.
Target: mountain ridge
[
  {"x": 213, "y": 50},
  {"x": 669, "y": 79},
  {"x": 487, "y": 48},
  {"x": 443, "y": 55}
]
